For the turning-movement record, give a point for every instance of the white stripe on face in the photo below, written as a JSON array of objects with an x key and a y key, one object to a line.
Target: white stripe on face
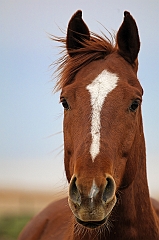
[
  {"x": 103, "y": 84},
  {"x": 94, "y": 190}
]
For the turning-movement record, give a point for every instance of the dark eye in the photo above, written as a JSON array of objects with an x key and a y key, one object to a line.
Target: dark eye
[
  {"x": 65, "y": 104},
  {"x": 134, "y": 105}
]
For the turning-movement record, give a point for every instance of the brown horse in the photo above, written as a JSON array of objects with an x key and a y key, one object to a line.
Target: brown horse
[{"x": 104, "y": 146}]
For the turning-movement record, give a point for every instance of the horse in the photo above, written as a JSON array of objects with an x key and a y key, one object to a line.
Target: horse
[{"x": 104, "y": 145}]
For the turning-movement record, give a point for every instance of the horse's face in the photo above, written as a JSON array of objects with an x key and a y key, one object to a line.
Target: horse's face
[{"x": 101, "y": 122}]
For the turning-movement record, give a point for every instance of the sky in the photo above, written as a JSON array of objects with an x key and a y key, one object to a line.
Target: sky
[{"x": 31, "y": 141}]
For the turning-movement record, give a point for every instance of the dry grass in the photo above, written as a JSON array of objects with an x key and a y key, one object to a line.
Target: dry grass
[{"x": 17, "y": 202}]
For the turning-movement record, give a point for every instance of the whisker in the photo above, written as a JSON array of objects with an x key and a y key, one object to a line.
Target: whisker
[
  {"x": 54, "y": 134},
  {"x": 58, "y": 116},
  {"x": 60, "y": 152},
  {"x": 61, "y": 146}
]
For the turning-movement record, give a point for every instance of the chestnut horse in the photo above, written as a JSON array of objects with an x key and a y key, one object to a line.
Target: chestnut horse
[{"x": 104, "y": 146}]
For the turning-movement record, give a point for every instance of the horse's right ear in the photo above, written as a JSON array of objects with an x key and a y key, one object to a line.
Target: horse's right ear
[
  {"x": 128, "y": 41},
  {"x": 77, "y": 32}
]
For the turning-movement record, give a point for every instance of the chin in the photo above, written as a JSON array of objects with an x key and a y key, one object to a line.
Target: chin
[{"x": 92, "y": 224}]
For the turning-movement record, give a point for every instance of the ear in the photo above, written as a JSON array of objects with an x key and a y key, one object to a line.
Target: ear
[
  {"x": 77, "y": 32},
  {"x": 128, "y": 41}
]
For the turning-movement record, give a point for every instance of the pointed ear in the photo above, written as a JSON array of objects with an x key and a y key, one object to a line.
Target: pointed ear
[
  {"x": 77, "y": 32},
  {"x": 128, "y": 41}
]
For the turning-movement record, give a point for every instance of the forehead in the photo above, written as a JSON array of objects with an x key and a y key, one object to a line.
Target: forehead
[{"x": 112, "y": 64}]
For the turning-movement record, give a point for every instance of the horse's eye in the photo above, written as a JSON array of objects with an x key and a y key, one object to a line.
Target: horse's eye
[
  {"x": 134, "y": 106},
  {"x": 65, "y": 104}
]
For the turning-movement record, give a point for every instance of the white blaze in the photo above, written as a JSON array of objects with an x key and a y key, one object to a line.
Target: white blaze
[
  {"x": 94, "y": 190},
  {"x": 103, "y": 84}
]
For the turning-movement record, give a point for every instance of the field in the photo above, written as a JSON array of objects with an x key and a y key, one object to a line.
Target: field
[{"x": 18, "y": 207}]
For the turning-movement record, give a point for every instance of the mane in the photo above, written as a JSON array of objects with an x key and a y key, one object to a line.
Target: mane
[{"x": 94, "y": 49}]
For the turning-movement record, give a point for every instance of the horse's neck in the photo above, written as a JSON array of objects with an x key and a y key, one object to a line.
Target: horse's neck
[
  {"x": 136, "y": 218},
  {"x": 133, "y": 216}
]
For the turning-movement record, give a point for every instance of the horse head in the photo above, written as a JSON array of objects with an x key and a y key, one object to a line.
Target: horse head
[{"x": 103, "y": 134}]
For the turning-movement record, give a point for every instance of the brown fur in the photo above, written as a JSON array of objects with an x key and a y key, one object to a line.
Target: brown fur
[{"x": 119, "y": 170}]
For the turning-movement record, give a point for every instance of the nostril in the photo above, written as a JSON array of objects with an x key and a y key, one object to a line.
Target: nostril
[
  {"x": 109, "y": 189},
  {"x": 74, "y": 193}
]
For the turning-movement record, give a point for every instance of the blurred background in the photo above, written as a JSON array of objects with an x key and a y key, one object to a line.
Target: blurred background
[{"x": 31, "y": 141}]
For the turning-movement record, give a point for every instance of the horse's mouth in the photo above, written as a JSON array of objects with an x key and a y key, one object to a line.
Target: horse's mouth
[{"x": 91, "y": 224}]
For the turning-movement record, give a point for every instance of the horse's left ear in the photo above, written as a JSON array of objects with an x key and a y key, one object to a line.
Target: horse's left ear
[
  {"x": 128, "y": 41},
  {"x": 77, "y": 32}
]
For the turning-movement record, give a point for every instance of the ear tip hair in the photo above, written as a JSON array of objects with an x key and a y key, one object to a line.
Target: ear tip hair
[
  {"x": 78, "y": 14},
  {"x": 126, "y": 13}
]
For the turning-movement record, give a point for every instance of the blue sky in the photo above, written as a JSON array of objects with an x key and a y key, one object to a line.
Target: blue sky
[{"x": 30, "y": 150}]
